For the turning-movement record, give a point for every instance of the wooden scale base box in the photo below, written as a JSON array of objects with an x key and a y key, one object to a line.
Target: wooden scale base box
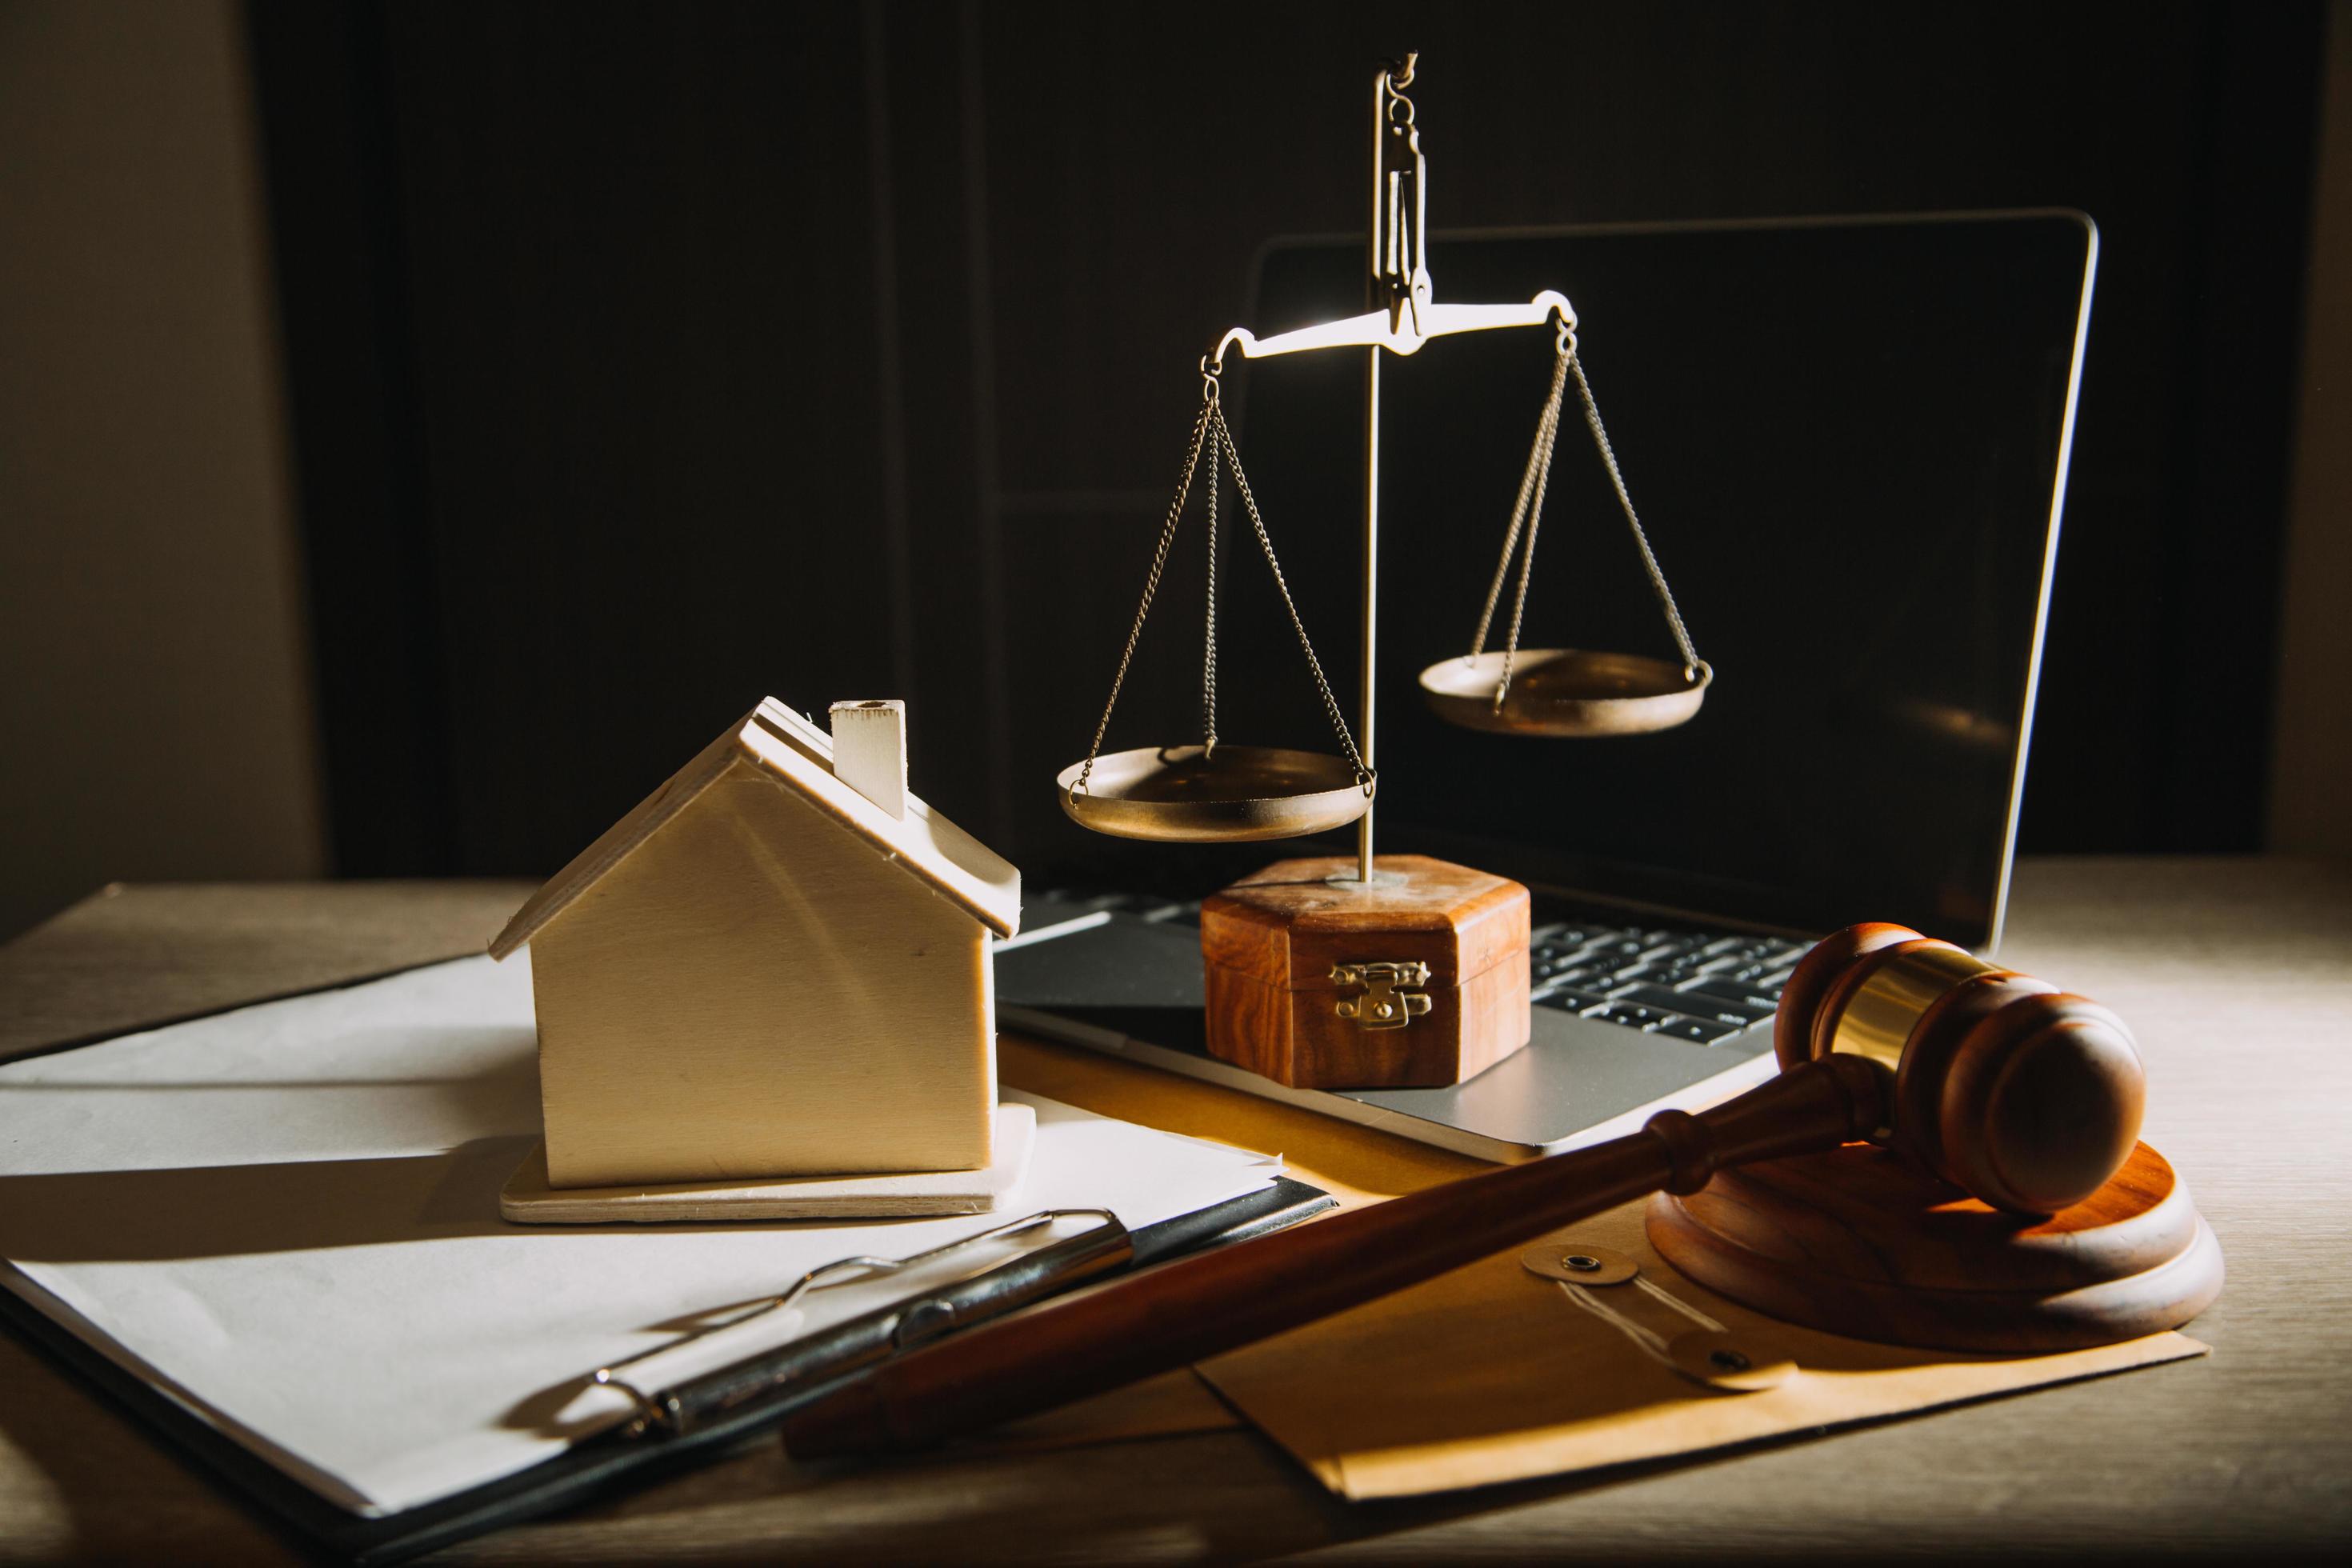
[{"x": 1415, "y": 980}]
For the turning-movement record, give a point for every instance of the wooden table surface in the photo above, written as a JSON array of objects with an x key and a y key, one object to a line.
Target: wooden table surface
[{"x": 2235, "y": 974}]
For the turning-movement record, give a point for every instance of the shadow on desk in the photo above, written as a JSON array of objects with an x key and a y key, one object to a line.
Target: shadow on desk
[{"x": 229, "y": 1211}]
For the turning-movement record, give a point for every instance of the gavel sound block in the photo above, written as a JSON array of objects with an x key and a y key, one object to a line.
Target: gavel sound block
[
  {"x": 2005, "y": 1088},
  {"x": 2009, "y": 1204}
]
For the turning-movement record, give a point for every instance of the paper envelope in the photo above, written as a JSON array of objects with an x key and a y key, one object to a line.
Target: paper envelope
[{"x": 1491, "y": 1374}]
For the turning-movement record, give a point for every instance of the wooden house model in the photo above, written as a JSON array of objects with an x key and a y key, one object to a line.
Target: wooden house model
[{"x": 777, "y": 964}]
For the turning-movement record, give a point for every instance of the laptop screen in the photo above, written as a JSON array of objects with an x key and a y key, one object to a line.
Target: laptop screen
[{"x": 1846, "y": 442}]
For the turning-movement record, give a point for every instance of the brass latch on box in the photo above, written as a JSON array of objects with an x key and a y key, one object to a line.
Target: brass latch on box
[{"x": 1385, "y": 1003}]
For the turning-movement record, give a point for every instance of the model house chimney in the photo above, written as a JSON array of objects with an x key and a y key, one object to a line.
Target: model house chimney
[{"x": 869, "y": 752}]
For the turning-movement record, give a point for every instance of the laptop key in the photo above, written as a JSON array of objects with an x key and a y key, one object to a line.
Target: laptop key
[
  {"x": 1631, "y": 1014},
  {"x": 1764, "y": 1004},
  {"x": 1569, "y": 999},
  {"x": 1706, "y": 1031},
  {"x": 1694, "y": 1004}
]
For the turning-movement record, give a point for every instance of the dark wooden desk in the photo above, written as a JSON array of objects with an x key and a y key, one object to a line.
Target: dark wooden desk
[{"x": 2237, "y": 975}]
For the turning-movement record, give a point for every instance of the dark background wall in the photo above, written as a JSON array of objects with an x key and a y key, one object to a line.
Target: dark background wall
[{"x": 644, "y": 360}]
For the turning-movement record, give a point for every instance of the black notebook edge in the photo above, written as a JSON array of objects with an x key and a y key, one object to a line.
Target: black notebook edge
[{"x": 591, "y": 1469}]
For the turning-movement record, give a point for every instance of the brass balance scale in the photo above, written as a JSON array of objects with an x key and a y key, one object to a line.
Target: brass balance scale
[
  {"x": 1215, "y": 793},
  {"x": 1218, "y": 792}
]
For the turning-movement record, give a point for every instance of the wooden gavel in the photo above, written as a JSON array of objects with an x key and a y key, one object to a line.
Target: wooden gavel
[{"x": 2027, "y": 1098}]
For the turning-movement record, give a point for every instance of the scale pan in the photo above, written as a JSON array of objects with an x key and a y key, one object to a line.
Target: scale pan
[
  {"x": 1565, "y": 691},
  {"x": 1179, "y": 794}
]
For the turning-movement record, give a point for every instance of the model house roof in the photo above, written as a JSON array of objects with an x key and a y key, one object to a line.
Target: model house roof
[{"x": 798, "y": 756}]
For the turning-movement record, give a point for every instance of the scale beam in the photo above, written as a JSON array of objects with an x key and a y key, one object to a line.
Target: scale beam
[{"x": 1400, "y": 332}]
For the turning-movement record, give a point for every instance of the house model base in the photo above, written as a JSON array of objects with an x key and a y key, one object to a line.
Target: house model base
[{"x": 527, "y": 1198}]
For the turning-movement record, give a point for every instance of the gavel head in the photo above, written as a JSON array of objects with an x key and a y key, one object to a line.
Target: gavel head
[{"x": 2028, "y": 1096}]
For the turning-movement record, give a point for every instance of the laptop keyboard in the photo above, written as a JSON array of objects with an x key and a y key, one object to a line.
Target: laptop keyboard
[
  {"x": 1698, "y": 985},
  {"x": 1693, "y": 985}
]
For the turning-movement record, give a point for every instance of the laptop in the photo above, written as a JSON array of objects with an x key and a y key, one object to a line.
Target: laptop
[{"x": 1848, "y": 440}]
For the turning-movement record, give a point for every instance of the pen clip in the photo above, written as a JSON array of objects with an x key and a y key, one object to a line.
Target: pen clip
[{"x": 898, "y": 1326}]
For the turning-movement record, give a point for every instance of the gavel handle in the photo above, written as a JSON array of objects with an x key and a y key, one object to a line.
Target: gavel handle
[{"x": 1176, "y": 1314}]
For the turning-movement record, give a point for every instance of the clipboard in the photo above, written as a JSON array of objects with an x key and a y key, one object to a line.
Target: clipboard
[
  {"x": 715, "y": 1411},
  {"x": 679, "y": 1425}
]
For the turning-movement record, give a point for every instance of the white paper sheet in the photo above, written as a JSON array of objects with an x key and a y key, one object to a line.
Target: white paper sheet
[{"x": 286, "y": 1217}]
